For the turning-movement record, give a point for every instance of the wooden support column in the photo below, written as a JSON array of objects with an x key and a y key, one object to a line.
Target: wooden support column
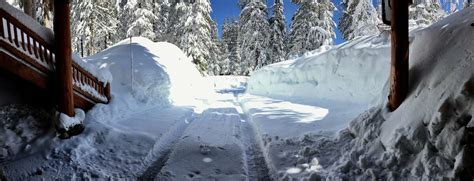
[
  {"x": 400, "y": 54},
  {"x": 62, "y": 38}
]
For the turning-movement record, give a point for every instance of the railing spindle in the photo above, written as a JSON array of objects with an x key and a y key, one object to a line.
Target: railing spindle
[
  {"x": 15, "y": 32},
  {"x": 23, "y": 40},
  {"x": 2, "y": 28},
  {"x": 35, "y": 49},
  {"x": 29, "y": 45},
  {"x": 9, "y": 32}
]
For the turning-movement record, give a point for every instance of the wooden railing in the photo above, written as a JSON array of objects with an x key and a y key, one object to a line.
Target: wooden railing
[{"x": 28, "y": 46}]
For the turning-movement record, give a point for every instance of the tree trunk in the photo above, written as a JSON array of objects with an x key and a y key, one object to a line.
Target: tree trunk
[
  {"x": 400, "y": 54},
  {"x": 62, "y": 37},
  {"x": 28, "y": 7}
]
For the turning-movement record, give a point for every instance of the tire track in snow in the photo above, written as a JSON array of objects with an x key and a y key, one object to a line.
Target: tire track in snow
[
  {"x": 257, "y": 168},
  {"x": 161, "y": 151}
]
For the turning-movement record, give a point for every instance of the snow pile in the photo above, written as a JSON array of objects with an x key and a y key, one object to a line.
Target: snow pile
[
  {"x": 162, "y": 75},
  {"x": 228, "y": 83},
  {"x": 355, "y": 71},
  {"x": 428, "y": 137},
  {"x": 66, "y": 122},
  {"x": 23, "y": 129}
]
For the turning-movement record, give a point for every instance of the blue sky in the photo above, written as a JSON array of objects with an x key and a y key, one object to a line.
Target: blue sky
[{"x": 223, "y": 9}]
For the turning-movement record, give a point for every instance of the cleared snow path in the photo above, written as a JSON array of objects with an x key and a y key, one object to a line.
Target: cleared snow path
[{"x": 219, "y": 144}]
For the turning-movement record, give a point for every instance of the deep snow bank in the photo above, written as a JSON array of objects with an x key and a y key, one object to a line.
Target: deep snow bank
[
  {"x": 429, "y": 136},
  {"x": 162, "y": 75},
  {"x": 355, "y": 71}
]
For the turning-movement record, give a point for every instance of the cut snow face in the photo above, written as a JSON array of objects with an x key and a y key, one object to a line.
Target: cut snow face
[{"x": 353, "y": 72}]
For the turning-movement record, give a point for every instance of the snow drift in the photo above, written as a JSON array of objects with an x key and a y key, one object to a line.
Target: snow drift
[
  {"x": 147, "y": 74},
  {"x": 355, "y": 71},
  {"x": 428, "y": 137}
]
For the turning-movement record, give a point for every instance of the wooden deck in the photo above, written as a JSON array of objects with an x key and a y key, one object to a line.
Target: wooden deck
[{"x": 23, "y": 53}]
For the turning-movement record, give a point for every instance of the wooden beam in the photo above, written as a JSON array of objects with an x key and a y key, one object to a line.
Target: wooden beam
[
  {"x": 62, "y": 38},
  {"x": 400, "y": 54}
]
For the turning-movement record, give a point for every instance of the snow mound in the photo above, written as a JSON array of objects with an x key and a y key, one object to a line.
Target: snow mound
[
  {"x": 162, "y": 75},
  {"x": 23, "y": 129},
  {"x": 355, "y": 71},
  {"x": 429, "y": 137}
]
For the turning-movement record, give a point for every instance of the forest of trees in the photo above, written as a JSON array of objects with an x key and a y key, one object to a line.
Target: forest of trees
[{"x": 248, "y": 42}]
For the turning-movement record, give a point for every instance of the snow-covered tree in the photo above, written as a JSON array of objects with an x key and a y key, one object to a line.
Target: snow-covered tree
[
  {"x": 215, "y": 53},
  {"x": 93, "y": 25},
  {"x": 425, "y": 12},
  {"x": 230, "y": 63},
  {"x": 312, "y": 26},
  {"x": 359, "y": 18},
  {"x": 278, "y": 33},
  {"x": 254, "y": 35},
  {"x": 161, "y": 10},
  {"x": 143, "y": 19},
  {"x": 191, "y": 28}
]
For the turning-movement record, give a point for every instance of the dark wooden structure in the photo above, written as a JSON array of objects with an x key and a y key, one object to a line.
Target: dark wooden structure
[
  {"x": 49, "y": 65},
  {"x": 400, "y": 53}
]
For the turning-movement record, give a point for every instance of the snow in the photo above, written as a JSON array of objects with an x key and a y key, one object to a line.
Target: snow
[
  {"x": 162, "y": 75},
  {"x": 23, "y": 130},
  {"x": 45, "y": 33},
  {"x": 66, "y": 122},
  {"x": 355, "y": 71},
  {"x": 320, "y": 116},
  {"x": 423, "y": 139}
]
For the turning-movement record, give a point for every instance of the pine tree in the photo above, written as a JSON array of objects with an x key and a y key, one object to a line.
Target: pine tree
[
  {"x": 93, "y": 26},
  {"x": 359, "y": 19},
  {"x": 161, "y": 10},
  {"x": 215, "y": 52},
  {"x": 425, "y": 12},
  {"x": 192, "y": 29},
  {"x": 278, "y": 33},
  {"x": 312, "y": 26},
  {"x": 253, "y": 36},
  {"x": 142, "y": 20},
  {"x": 230, "y": 48}
]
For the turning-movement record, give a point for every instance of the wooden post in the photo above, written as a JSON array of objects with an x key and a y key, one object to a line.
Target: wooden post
[
  {"x": 62, "y": 37},
  {"x": 400, "y": 53},
  {"x": 107, "y": 92}
]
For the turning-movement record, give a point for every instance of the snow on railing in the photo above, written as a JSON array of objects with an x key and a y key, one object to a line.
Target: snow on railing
[{"x": 21, "y": 41}]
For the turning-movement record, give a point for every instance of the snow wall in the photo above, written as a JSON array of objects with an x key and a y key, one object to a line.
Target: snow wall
[
  {"x": 429, "y": 137},
  {"x": 355, "y": 71}
]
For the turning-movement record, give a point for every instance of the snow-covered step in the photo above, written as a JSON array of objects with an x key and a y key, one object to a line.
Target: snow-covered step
[{"x": 210, "y": 148}]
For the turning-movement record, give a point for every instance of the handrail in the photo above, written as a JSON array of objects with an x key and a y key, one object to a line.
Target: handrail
[
  {"x": 23, "y": 38},
  {"x": 40, "y": 54}
]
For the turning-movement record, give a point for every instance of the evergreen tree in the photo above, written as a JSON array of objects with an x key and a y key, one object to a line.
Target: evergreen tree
[
  {"x": 193, "y": 30},
  {"x": 278, "y": 33},
  {"x": 359, "y": 18},
  {"x": 142, "y": 22},
  {"x": 253, "y": 36},
  {"x": 230, "y": 48},
  {"x": 93, "y": 26},
  {"x": 312, "y": 26},
  {"x": 161, "y": 10},
  {"x": 425, "y": 12}
]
